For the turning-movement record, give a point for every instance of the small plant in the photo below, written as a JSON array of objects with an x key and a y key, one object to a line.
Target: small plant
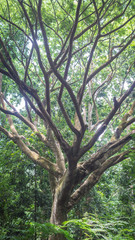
[
  {"x": 46, "y": 229},
  {"x": 93, "y": 228}
]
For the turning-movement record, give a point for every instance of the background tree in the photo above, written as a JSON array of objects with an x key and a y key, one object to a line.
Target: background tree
[
  {"x": 67, "y": 89},
  {"x": 24, "y": 193}
]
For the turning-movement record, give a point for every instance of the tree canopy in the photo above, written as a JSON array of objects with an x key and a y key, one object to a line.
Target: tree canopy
[{"x": 67, "y": 89}]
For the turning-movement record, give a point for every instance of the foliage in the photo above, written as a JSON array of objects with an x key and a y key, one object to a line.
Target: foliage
[
  {"x": 111, "y": 199},
  {"x": 23, "y": 195},
  {"x": 93, "y": 227},
  {"x": 67, "y": 103},
  {"x": 46, "y": 229}
]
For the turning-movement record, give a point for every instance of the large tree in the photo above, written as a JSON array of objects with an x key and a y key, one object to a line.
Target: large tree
[{"x": 67, "y": 89}]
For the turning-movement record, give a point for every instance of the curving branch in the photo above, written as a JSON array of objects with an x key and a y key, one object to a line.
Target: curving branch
[
  {"x": 102, "y": 128},
  {"x": 72, "y": 39},
  {"x": 74, "y": 130},
  {"x": 39, "y": 57},
  {"x": 116, "y": 29},
  {"x": 32, "y": 92},
  {"x": 16, "y": 27},
  {"x": 84, "y": 169},
  {"x": 61, "y": 79},
  {"x": 81, "y": 91},
  {"x": 117, "y": 16},
  {"x": 110, "y": 60},
  {"x": 94, "y": 177},
  {"x": 97, "y": 14},
  {"x": 68, "y": 14},
  {"x": 124, "y": 123},
  {"x": 34, "y": 155}
]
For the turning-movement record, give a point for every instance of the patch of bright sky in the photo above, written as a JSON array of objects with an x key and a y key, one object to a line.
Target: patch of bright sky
[{"x": 20, "y": 106}]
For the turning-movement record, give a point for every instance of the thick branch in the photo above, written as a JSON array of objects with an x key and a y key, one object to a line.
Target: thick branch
[
  {"x": 87, "y": 167},
  {"x": 36, "y": 158},
  {"x": 7, "y": 133},
  {"x": 55, "y": 147},
  {"x": 42, "y": 112},
  {"x": 11, "y": 69},
  {"x": 6, "y": 73},
  {"x": 94, "y": 178}
]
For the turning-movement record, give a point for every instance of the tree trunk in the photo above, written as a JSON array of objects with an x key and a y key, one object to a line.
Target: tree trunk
[
  {"x": 61, "y": 197},
  {"x": 58, "y": 216}
]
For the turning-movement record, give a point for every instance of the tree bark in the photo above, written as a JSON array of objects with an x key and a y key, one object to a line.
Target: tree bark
[
  {"x": 58, "y": 216},
  {"x": 61, "y": 197}
]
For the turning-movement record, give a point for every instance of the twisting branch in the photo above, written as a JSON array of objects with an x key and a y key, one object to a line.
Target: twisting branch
[
  {"x": 106, "y": 152},
  {"x": 11, "y": 70},
  {"x": 116, "y": 29},
  {"x": 118, "y": 16},
  {"x": 66, "y": 85},
  {"x": 85, "y": 30},
  {"x": 63, "y": 53},
  {"x": 71, "y": 39},
  {"x": 124, "y": 123},
  {"x": 54, "y": 32},
  {"x": 94, "y": 177},
  {"x": 81, "y": 91},
  {"x": 36, "y": 158},
  {"x": 97, "y": 159},
  {"x": 24, "y": 88},
  {"x": 98, "y": 19},
  {"x": 110, "y": 3},
  {"x": 64, "y": 59},
  {"x": 67, "y": 69},
  {"x": 39, "y": 57},
  {"x": 84, "y": 18},
  {"x": 28, "y": 63},
  {"x": 91, "y": 25},
  {"x": 74, "y": 130},
  {"x": 106, "y": 121},
  {"x": 3, "y": 71},
  {"x": 110, "y": 60},
  {"x": 98, "y": 89},
  {"x": 64, "y": 10},
  {"x": 45, "y": 116},
  {"x": 85, "y": 8},
  {"x": 16, "y": 114},
  {"x": 16, "y": 27},
  {"x": 22, "y": 118}
]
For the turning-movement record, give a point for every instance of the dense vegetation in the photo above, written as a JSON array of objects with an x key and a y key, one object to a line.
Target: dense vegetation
[
  {"x": 67, "y": 119},
  {"x": 25, "y": 199}
]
